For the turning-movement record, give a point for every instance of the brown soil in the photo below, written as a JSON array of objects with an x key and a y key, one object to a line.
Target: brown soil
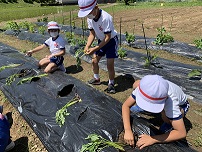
[{"x": 186, "y": 26}]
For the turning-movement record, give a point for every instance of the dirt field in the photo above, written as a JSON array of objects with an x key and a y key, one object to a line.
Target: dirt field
[{"x": 186, "y": 27}]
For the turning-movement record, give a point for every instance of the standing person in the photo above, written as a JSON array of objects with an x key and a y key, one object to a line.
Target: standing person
[
  {"x": 156, "y": 95},
  {"x": 6, "y": 143},
  {"x": 56, "y": 44},
  {"x": 100, "y": 24}
]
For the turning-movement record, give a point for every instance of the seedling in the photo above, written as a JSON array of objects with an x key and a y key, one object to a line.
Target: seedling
[
  {"x": 11, "y": 78},
  {"x": 198, "y": 43},
  {"x": 9, "y": 66},
  {"x": 195, "y": 73},
  {"x": 130, "y": 38},
  {"x": 42, "y": 30},
  {"x": 33, "y": 78},
  {"x": 78, "y": 57},
  {"x": 122, "y": 53},
  {"x": 62, "y": 113},
  {"x": 98, "y": 143},
  {"x": 162, "y": 37}
]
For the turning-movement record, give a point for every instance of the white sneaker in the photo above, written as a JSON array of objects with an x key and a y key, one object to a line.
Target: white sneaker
[
  {"x": 10, "y": 146},
  {"x": 62, "y": 68}
]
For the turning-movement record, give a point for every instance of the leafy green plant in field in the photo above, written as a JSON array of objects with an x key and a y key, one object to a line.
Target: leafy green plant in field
[
  {"x": 42, "y": 30},
  {"x": 24, "y": 25},
  {"x": 98, "y": 143},
  {"x": 24, "y": 80},
  {"x": 121, "y": 53},
  {"x": 31, "y": 28},
  {"x": 45, "y": 19},
  {"x": 12, "y": 25},
  {"x": 195, "y": 72},
  {"x": 163, "y": 37},
  {"x": 9, "y": 66},
  {"x": 62, "y": 113},
  {"x": 198, "y": 43},
  {"x": 149, "y": 60},
  {"x": 130, "y": 38}
]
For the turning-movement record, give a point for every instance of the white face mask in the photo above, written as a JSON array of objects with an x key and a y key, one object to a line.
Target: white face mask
[
  {"x": 54, "y": 34},
  {"x": 90, "y": 16}
]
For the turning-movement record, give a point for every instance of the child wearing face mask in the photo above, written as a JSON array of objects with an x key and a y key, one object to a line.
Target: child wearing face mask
[
  {"x": 56, "y": 44},
  {"x": 100, "y": 24}
]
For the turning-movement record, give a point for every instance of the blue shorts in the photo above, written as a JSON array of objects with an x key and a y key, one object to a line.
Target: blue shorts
[
  {"x": 58, "y": 60},
  {"x": 185, "y": 108},
  {"x": 110, "y": 49},
  {"x": 4, "y": 134}
]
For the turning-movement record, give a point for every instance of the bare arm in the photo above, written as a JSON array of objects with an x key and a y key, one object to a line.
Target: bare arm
[
  {"x": 38, "y": 48},
  {"x": 178, "y": 132},
  {"x": 128, "y": 135},
  {"x": 102, "y": 43},
  {"x": 91, "y": 38}
]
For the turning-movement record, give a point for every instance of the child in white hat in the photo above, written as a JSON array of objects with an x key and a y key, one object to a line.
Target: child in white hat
[
  {"x": 101, "y": 26},
  {"x": 156, "y": 95},
  {"x": 56, "y": 44}
]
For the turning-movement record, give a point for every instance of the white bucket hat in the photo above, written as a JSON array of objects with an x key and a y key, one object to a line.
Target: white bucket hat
[
  {"x": 53, "y": 25},
  {"x": 152, "y": 93},
  {"x": 86, "y": 6}
]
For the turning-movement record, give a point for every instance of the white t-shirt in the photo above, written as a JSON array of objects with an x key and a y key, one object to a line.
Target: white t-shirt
[
  {"x": 56, "y": 45},
  {"x": 103, "y": 25},
  {"x": 176, "y": 97}
]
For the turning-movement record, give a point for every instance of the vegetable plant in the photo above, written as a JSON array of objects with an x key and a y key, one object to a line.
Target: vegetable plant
[
  {"x": 198, "y": 43},
  {"x": 195, "y": 72},
  {"x": 130, "y": 38},
  {"x": 162, "y": 37},
  {"x": 32, "y": 78},
  {"x": 78, "y": 57},
  {"x": 13, "y": 25},
  {"x": 122, "y": 53},
  {"x": 8, "y": 66},
  {"x": 11, "y": 78},
  {"x": 98, "y": 143},
  {"x": 62, "y": 113},
  {"x": 42, "y": 30}
]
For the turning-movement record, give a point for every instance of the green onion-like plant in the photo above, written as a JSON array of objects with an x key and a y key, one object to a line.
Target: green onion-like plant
[
  {"x": 33, "y": 78},
  {"x": 62, "y": 113},
  {"x": 9, "y": 66},
  {"x": 98, "y": 143}
]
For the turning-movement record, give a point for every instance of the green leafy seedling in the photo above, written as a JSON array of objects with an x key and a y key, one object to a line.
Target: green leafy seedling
[
  {"x": 195, "y": 72},
  {"x": 9, "y": 66},
  {"x": 78, "y": 57},
  {"x": 11, "y": 78},
  {"x": 98, "y": 143},
  {"x": 62, "y": 113},
  {"x": 24, "y": 80}
]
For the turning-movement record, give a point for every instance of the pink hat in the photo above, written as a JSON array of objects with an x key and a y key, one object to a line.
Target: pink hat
[
  {"x": 53, "y": 25},
  {"x": 152, "y": 93},
  {"x": 86, "y": 6}
]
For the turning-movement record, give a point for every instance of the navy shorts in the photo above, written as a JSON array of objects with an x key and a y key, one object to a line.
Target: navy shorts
[
  {"x": 185, "y": 108},
  {"x": 58, "y": 60},
  {"x": 110, "y": 49},
  {"x": 4, "y": 134}
]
